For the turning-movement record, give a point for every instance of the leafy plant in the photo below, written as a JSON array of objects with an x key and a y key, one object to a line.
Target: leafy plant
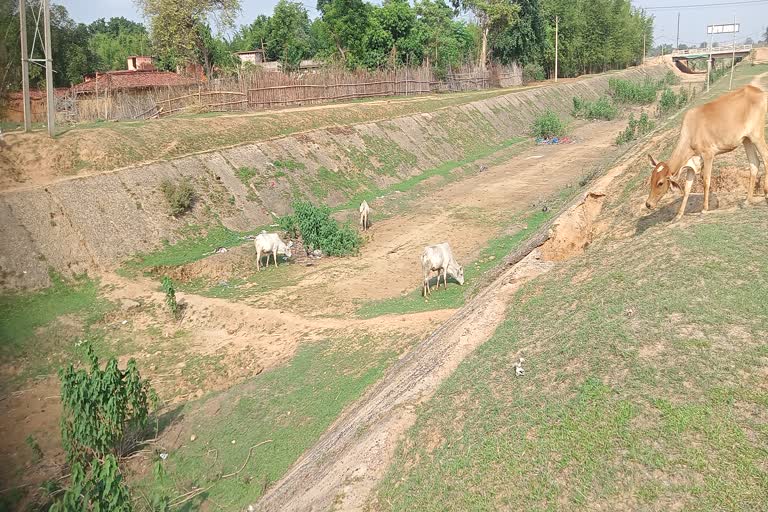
[
  {"x": 603, "y": 108},
  {"x": 626, "y": 91},
  {"x": 170, "y": 296},
  {"x": 668, "y": 101},
  {"x": 635, "y": 128},
  {"x": 533, "y": 72},
  {"x": 179, "y": 195},
  {"x": 103, "y": 413},
  {"x": 548, "y": 125},
  {"x": 37, "y": 452},
  {"x": 98, "y": 488},
  {"x": 102, "y": 409},
  {"x": 319, "y": 231}
]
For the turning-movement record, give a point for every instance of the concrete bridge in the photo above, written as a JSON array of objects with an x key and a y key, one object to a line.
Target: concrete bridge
[{"x": 741, "y": 50}]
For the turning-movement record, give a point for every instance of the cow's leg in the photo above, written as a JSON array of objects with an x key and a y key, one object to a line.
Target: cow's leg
[
  {"x": 689, "y": 179},
  {"x": 275, "y": 255},
  {"x": 258, "y": 261},
  {"x": 762, "y": 148},
  {"x": 754, "y": 165},
  {"x": 445, "y": 279},
  {"x": 707, "y": 175}
]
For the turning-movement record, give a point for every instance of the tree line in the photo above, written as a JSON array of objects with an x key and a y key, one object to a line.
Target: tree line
[{"x": 594, "y": 35}]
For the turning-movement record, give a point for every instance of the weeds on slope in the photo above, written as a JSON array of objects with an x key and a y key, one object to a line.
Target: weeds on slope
[{"x": 602, "y": 108}]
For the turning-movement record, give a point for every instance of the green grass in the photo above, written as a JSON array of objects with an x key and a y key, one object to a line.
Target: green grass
[
  {"x": 444, "y": 170},
  {"x": 198, "y": 245},
  {"x": 246, "y": 174},
  {"x": 645, "y": 375},
  {"x": 290, "y": 165},
  {"x": 291, "y": 405},
  {"x": 32, "y": 338}
]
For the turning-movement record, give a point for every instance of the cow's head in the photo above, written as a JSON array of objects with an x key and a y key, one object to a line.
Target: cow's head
[
  {"x": 661, "y": 180},
  {"x": 460, "y": 275},
  {"x": 287, "y": 252}
]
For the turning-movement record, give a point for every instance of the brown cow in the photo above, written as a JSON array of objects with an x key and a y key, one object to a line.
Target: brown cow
[{"x": 719, "y": 126}]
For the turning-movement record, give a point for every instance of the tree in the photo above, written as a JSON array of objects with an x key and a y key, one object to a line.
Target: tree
[
  {"x": 113, "y": 41},
  {"x": 288, "y": 34},
  {"x": 447, "y": 43},
  {"x": 493, "y": 16},
  {"x": 749, "y": 40},
  {"x": 347, "y": 22},
  {"x": 178, "y": 27},
  {"x": 523, "y": 40},
  {"x": 765, "y": 35},
  {"x": 253, "y": 36}
]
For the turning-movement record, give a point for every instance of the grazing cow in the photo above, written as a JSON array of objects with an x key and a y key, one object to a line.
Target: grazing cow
[
  {"x": 365, "y": 212},
  {"x": 270, "y": 244},
  {"x": 440, "y": 258},
  {"x": 719, "y": 126}
]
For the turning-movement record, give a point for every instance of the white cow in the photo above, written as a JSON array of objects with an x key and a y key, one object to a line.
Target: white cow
[
  {"x": 270, "y": 243},
  {"x": 365, "y": 212},
  {"x": 440, "y": 258}
]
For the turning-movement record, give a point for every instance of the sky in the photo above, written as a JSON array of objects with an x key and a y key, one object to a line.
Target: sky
[{"x": 694, "y": 18}]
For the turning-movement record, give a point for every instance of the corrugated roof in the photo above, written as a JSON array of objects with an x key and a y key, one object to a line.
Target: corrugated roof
[{"x": 138, "y": 79}]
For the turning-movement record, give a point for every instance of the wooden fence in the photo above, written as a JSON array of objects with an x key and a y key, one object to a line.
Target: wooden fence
[{"x": 269, "y": 90}]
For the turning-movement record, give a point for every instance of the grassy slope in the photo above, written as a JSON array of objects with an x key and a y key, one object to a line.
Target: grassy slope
[
  {"x": 645, "y": 384},
  {"x": 290, "y": 405}
]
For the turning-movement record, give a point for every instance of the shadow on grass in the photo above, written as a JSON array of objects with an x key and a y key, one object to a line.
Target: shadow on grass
[{"x": 667, "y": 213}]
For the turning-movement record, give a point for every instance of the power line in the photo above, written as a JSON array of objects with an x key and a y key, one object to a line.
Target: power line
[{"x": 698, "y": 6}]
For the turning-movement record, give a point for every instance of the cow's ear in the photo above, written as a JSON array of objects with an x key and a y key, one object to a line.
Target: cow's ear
[
  {"x": 674, "y": 184},
  {"x": 653, "y": 162}
]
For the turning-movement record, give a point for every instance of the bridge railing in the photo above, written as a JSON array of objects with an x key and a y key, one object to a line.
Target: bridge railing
[{"x": 729, "y": 48}]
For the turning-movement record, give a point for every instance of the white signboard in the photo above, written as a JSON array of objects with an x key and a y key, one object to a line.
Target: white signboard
[{"x": 723, "y": 29}]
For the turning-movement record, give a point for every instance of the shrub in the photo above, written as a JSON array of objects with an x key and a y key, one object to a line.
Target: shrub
[
  {"x": 170, "y": 296},
  {"x": 682, "y": 98},
  {"x": 600, "y": 109},
  {"x": 179, "y": 195},
  {"x": 668, "y": 101},
  {"x": 102, "y": 409},
  {"x": 319, "y": 231},
  {"x": 103, "y": 412},
  {"x": 548, "y": 125},
  {"x": 533, "y": 73},
  {"x": 625, "y": 91},
  {"x": 669, "y": 79},
  {"x": 634, "y": 129},
  {"x": 99, "y": 488}
]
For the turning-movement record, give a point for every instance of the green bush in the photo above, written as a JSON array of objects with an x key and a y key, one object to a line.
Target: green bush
[
  {"x": 635, "y": 128},
  {"x": 548, "y": 125},
  {"x": 319, "y": 231},
  {"x": 104, "y": 412},
  {"x": 533, "y": 73},
  {"x": 669, "y": 79},
  {"x": 603, "y": 108},
  {"x": 179, "y": 195},
  {"x": 625, "y": 91},
  {"x": 668, "y": 101},
  {"x": 170, "y": 296},
  {"x": 97, "y": 488}
]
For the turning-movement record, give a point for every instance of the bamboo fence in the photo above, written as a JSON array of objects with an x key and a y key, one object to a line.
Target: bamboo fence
[{"x": 260, "y": 90}]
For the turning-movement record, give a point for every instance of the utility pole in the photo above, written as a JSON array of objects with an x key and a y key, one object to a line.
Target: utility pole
[
  {"x": 677, "y": 38},
  {"x": 556, "y": 44},
  {"x": 733, "y": 59},
  {"x": 49, "y": 69},
  {"x": 25, "y": 66},
  {"x": 709, "y": 59}
]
